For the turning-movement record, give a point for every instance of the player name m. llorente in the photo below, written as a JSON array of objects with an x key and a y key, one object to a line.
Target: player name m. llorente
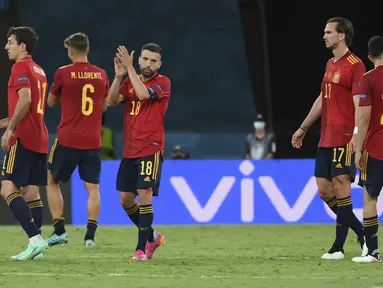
[{"x": 86, "y": 75}]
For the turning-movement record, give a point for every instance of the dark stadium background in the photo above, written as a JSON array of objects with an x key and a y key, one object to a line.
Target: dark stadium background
[{"x": 227, "y": 59}]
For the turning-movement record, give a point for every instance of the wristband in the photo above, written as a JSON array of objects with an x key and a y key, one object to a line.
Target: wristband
[
  {"x": 356, "y": 130},
  {"x": 303, "y": 129}
]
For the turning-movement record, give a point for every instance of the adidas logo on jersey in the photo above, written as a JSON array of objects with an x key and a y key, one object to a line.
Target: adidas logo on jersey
[{"x": 339, "y": 166}]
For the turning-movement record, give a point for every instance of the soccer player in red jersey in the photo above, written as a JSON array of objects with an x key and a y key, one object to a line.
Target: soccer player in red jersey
[
  {"x": 146, "y": 97},
  {"x": 25, "y": 140},
  {"x": 337, "y": 104},
  {"x": 371, "y": 164},
  {"x": 81, "y": 88}
]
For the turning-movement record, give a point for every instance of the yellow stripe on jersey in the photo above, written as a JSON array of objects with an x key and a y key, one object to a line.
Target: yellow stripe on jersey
[{"x": 352, "y": 59}]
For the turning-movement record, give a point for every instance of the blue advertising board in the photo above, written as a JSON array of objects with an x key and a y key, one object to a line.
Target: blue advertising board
[{"x": 221, "y": 192}]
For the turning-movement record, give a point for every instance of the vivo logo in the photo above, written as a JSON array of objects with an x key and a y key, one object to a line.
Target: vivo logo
[{"x": 247, "y": 195}]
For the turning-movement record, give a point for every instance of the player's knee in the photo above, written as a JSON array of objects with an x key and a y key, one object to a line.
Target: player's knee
[
  {"x": 146, "y": 196},
  {"x": 127, "y": 199},
  {"x": 341, "y": 186},
  {"x": 51, "y": 180},
  {"x": 325, "y": 191},
  {"x": 7, "y": 188},
  {"x": 91, "y": 188},
  {"x": 369, "y": 200},
  {"x": 325, "y": 195},
  {"x": 30, "y": 193},
  {"x": 3, "y": 192}
]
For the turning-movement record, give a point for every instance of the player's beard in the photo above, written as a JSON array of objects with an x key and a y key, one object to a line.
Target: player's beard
[
  {"x": 148, "y": 73},
  {"x": 333, "y": 46}
]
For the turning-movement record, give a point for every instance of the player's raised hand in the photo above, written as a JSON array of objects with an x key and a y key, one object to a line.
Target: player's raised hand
[
  {"x": 358, "y": 160},
  {"x": 297, "y": 139},
  {"x": 119, "y": 70},
  {"x": 125, "y": 58}
]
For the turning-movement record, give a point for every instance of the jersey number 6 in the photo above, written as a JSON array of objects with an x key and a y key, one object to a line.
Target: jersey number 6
[{"x": 87, "y": 102}]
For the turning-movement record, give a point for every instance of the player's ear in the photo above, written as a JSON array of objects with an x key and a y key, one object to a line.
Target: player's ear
[
  {"x": 23, "y": 47},
  {"x": 70, "y": 51},
  {"x": 159, "y": 64},
  {"x": 342, "y": 36},
  {"x": 370, "y": 58}
]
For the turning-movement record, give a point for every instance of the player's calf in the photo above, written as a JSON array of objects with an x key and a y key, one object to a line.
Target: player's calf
[
  {"x": 56, "y": 205},
  {"x": 326, "y": 193},
  {"x": 341, "y": 188},
  {"x": 31, "y": 195},
  {"x": 371, "y": 224},
  {"x": 145, "y": 218},
  {"x": 132, "y": 209},
  {"x": 20, "y": 210},
  {"x": 93, "y": 212}
]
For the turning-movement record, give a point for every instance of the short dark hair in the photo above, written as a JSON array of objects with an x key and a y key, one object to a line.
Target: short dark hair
[
  {"x": 343, "y": 26},
  {"x": 78, "y": 41},
  {"x": 375, "y": 47},
  {"x": 26, "y": 35},
  {"x": 152, "y": 47}
]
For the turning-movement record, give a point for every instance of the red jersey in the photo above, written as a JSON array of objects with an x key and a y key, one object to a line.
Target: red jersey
[
  {"x": 371, "y": 94},
  {"x": 340, "y": 83},
  {"x": 31, "y": 131},
  {"x": 144, "y": 120},
  {"x": 83, "y": 88}
]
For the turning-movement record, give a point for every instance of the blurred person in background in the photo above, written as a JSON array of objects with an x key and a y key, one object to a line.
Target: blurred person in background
[
  {"x": 107, "y": 142},
  {"x": 260, "y": 144},
  {"x": 178, "y": 153}
]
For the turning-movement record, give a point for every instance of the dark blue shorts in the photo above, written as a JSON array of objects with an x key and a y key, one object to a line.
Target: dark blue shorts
[
  {"x": 332, "y": 162},
  {"x": 24, "y": 167},
  {"x": 140, "y": 173},
  {"x": 372, "y": 175},
  {"x": 63, "y": 161}
]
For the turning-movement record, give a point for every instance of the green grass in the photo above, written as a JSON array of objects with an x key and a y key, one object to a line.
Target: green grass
[{"x": 194, "y": 256}]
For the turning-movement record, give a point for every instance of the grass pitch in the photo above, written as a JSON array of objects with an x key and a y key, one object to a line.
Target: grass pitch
[{"x": 194, "y": 256}]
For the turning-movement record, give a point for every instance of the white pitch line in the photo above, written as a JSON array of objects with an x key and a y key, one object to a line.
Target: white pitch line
[
  {"x": 113, "y": 256},
  {"x": 189, "y": 276}
]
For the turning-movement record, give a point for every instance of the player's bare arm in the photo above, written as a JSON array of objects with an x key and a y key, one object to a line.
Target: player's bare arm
[
  {"x": 53, "y": 100},
  {"x": 314, "y": 114},
  {"x": 126, "y": 60},
  {"x": 4, "y": 123},
  {"x": 114, "y": 97},
  {"x": 22, "y": 107},
  {"x": 353, "y": 142},
  {"x": 139, "y": 88},
  {"x": 21, "y": 110},
  {"x": 363, "y": 124}
]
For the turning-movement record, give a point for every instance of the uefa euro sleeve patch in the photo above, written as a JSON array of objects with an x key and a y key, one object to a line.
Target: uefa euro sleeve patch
[
  {"x": 20, "y": 79},
  {"x": 159, "y": 88}
]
